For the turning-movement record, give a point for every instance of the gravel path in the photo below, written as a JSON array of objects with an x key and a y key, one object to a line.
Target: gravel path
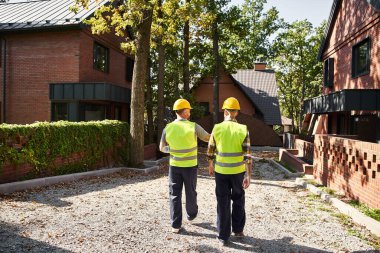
[{"x": 130, "y": 213}]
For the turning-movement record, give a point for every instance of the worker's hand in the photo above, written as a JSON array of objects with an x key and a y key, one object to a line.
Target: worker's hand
[
  {"x": 211, "y": 170},
  {"x": 166, "y": 149},
  {"x": 246, "y": 181}
]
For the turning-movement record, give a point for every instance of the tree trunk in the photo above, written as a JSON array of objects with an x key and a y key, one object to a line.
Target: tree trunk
[
  {"x": 138, "y": 85},
  {"x": 186, "y": 58},
  {"x": 302, "y": 92},
  {"x": 215, "y": 49},
  {"x": 149, "y": 106},
  {"x": 161, "y": 80}
]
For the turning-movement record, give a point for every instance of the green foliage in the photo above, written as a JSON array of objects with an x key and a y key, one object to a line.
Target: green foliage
[
  {"x": 371, "y": 212},
  {"x": 41, "y": 144},
  {"x": 298, "y": 71}
]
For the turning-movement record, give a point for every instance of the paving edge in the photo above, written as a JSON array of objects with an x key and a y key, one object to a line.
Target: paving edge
[
  {"x": 46, "y": 181},
  {"x": 357, "y": 216},
  {"x": 285, "y": 170}
]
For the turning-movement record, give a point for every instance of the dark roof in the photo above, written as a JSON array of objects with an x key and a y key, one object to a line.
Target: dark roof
[
  {"x": 42, "y": 14},
  {"x": 261, "y": 88},
  {"x": 333, "y": 14}
]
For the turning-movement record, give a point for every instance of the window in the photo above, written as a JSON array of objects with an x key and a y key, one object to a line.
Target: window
[
  {"x": 328, "y": 75},
  {"x": 59, "y": 111},
  {"x": 101, "y": 57},
  {"x": 361, "y": 58},
  {"x": 117, "y": 113},
  {"x": 93, "y": 112},
  {"x": 206, "y": 107},
  {"x": 129, "y": 64}
]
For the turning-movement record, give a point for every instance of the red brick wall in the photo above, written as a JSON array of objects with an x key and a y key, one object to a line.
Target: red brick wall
[
  {"x": 13, "y": 173},
  {"x": 117, "y": 60},
  {"x": 288, "y": 156},
  {"x": 356, "y": 20},
  {"x": 36, "y": 59},
  {"x": 203, "y": 93},
  {"x": 150, "y": 151},
  {"x": 305, "y": 149},
  {"x": 349, "y": 166},
  {"x": 33, "y": 61}
]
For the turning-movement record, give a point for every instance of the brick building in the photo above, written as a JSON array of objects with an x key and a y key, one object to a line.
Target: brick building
[
  {"x": 345, "y": 119},
  {"x": 53, "y": 68},
  {"x": 256, "y": 91}
]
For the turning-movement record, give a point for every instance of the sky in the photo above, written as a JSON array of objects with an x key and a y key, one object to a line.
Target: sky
[{"x": 291, "y": 10}]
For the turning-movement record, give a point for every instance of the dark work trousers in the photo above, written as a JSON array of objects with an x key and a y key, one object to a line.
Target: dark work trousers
[
  {"x": 230, "y": 187},
  {"x": 179, "y": 176}
]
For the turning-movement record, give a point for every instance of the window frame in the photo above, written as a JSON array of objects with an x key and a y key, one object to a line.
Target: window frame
[
  {"x": 53, "y": 104},
  {"x": 355, "y": 57},
  {"x": 107, "y": 67}
]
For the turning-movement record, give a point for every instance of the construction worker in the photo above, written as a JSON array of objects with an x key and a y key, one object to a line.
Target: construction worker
[
  {"x": 179, "y": 138},
  {"x": 229, "y": 145}
]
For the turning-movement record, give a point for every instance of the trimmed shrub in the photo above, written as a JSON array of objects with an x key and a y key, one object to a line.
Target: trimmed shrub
[{"x": 49, "y": 148}]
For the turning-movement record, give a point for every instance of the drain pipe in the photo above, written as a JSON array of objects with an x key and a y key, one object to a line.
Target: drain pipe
[{"x": 4, "y": 79}]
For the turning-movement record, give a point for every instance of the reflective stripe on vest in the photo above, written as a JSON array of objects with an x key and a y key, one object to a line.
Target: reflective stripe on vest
[
  {"x": 183, "y": 158},
  {"x": 230, "y": 154},
  {"x": 229, "y": 137},
  {"x": 180, "y": 135}
]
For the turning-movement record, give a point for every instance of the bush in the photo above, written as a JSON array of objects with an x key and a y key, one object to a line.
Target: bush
[{"x": 41, "y": 144}]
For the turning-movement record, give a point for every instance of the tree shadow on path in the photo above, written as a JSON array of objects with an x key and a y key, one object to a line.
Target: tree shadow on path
[
  {"x": 11, "y": 242},
  {"x": 251, "y": 244}
]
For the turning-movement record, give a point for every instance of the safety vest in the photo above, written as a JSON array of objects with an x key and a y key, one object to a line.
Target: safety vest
[
  {"x": 180, "y": 135},
  {"x": 229, "y": 137}
]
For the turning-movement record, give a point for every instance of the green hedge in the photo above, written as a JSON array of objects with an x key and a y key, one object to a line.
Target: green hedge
[{"x": 42, "y": 143}]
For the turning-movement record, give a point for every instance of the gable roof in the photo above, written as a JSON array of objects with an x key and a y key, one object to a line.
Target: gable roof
[
  {"x": 333, "y": 14},
  {"x": 40, "y": 14},
  {"x": 261, "y": 89}
]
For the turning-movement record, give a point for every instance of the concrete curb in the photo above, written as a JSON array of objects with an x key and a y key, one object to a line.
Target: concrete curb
[
  {"x": 283, "y": 169},
  {"x": 357, "y": 216},
  {"x": 40, "y": 182}
]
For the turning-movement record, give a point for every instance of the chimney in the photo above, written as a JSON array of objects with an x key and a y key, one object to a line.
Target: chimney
[{"x": 260, "y": 66}]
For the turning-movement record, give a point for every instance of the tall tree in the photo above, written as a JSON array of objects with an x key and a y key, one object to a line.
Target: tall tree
[
  {"x": 149, "y": 105},
  {"x": 138, "y": 84},
  {"x": 298, "y": 71},
  {"x": 139, "y": 16},
  {"x": 161, "y": 77},
  {"x": 216, "y": 58},
  {"x": 186, "y": 56}
]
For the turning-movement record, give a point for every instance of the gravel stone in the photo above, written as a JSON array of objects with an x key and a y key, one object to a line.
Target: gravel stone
[{"x": 129, "y": 212}]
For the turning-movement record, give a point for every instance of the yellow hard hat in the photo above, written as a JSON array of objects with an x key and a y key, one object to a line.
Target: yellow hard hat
[
  {"x": 181, "y": 104},
  {"x": 231, "y": 103}
]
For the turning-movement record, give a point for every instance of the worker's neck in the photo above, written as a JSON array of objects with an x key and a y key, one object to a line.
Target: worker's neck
[
  {"x": 229, "y": 118},
  {"x": 180, "y": 117}
]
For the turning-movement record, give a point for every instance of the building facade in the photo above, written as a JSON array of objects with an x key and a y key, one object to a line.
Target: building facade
[
  {"x": 256, "y": 91},
  {"x": 350, "y": 101},
  {"x": 53, "y": 67},
  {"x": 345, "y": 119}
]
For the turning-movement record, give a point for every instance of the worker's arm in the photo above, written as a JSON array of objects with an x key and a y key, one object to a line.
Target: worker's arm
[
  {"x": 246, "y": 146},
  {"x": 211, "y": 155},
  {"x": 164, "y": 147},
  {"x": 201, "y": 133}
]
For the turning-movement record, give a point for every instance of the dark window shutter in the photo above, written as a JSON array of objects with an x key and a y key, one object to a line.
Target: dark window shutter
[
  {"x": 331, "y": 72},
  {"x": 129, "y": 69},
  {"x": 328, "y": 75},
  {"x": 325, "y": 73}
]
